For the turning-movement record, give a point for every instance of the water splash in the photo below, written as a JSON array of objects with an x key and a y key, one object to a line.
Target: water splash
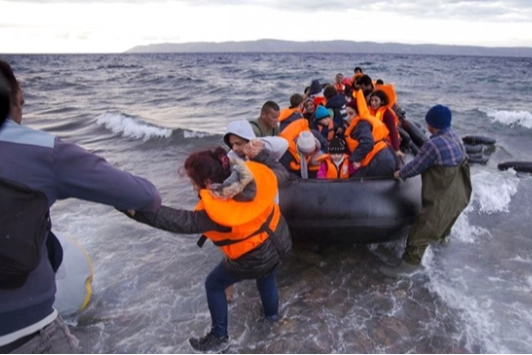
[
  {"x": 131, "y": 128},
  {"x": 493, "y": 191},
  {"x": 510, "y": 118}
]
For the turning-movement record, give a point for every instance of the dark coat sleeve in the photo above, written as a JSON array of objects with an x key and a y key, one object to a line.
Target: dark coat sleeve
[{"x": 179, "y": 221}]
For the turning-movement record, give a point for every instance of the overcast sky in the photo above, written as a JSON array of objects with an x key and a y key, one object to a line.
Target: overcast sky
[{"x": 112, "y": 26}]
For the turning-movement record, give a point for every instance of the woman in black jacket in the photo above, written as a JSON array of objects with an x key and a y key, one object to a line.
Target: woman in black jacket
[{"x": 238, "y": 212}]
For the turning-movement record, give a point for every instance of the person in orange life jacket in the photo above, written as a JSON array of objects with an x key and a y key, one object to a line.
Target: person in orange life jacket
[
  {"x": 336, "y": 103},
  {"x": 338, "y": 83},
  {"x": 365, "y": 84},
  {"x": 237, "y": 136},
  {"x": 292, "y": 113},
  {"x": 324, "y": 123},
  {"x": 305, "y": 162},
  {"x": 378, "y": 83},
  {"x": 268, "y": 122},
  {"x": 357, "y": 72},
  {"x": 366, "y": 138},
  {"x": 348, "y": 89},
  {"x": 336, "y": 164},
  {"x": 379, "y": 108},
  {"x": 237, "y": 212}
]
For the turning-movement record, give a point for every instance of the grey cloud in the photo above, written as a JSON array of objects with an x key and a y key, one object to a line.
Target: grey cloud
[{"x": 498, "y": 10}]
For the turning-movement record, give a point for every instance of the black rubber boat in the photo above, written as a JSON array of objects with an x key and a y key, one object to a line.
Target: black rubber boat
[{"x": 350, "y": 211}]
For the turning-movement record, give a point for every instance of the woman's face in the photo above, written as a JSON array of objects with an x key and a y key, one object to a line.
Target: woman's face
[
  {"x": 351, "y": 113},
  {"x": 309, "y": 107},
  {"x": 375, "y": 102}
]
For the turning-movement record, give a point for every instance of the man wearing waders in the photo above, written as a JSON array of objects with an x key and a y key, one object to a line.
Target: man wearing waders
[{"x": 446, "y": 189}]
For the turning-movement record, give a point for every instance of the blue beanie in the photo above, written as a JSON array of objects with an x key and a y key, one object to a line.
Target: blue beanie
[
  {"x": 439, "y": 117},
  {"x": 321, "y": 112}
]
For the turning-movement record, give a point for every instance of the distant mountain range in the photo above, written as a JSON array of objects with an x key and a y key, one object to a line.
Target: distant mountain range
[{"x": 278, "y": 46}]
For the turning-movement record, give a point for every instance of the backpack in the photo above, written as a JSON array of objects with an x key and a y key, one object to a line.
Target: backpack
[{"x": 24, "y": 222}]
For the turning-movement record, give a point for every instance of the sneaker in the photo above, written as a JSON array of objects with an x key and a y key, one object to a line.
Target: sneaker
[{"x": 210, "y": 343}]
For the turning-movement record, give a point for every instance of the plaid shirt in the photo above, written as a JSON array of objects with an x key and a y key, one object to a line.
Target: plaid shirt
[{"x": 443, "y": 148}]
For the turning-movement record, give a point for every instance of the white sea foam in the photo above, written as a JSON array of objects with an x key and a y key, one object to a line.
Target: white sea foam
[
  {"x": 195, "y": 134},
  {"x": 132, "y": 128},
  {"x": 510, "y": 118},
  {"x": 493, "y": 191}
]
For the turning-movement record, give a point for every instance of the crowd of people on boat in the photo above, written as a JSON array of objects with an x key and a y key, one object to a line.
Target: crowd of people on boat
[
  {"x": 331, "y": 131},
  {"x": 345, "y": 128}
]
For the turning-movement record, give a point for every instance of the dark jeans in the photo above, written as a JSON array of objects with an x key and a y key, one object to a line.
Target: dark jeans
[{"x": 219, "y": 279}]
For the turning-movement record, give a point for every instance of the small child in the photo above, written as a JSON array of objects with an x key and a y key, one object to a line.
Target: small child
[
  {"x": 324, "y": 123},
  {"x": 336, "y": 165}
]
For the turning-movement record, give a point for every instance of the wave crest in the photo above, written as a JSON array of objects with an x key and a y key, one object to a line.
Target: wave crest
[
  {"x": 131, "y": 128},
  {"x": 511, "y": 118}
]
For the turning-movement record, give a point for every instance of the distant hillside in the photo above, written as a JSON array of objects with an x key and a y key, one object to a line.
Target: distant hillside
[{"x": 273, "y": 46}]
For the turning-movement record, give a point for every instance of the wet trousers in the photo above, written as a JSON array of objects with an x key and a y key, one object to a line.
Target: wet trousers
[{"x": 219, "y": 279}]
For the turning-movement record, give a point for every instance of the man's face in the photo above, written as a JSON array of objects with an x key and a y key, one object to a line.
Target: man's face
[
  {"x": 270, "y": 118},
  {"x": 237, "y": 144},
  {"x": 16, "y": 107}
]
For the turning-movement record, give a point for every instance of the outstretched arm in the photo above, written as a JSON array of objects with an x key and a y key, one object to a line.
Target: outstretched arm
[{"x": 178, "y": 220}]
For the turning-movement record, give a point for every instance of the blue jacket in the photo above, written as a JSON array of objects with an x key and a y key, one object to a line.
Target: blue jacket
[{"x": 60, "y": 170}]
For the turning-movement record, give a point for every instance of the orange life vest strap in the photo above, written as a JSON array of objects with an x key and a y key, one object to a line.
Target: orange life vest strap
[{"x": 265, "y": 227}]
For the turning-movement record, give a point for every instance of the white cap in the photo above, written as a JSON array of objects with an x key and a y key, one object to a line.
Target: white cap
[{"x": 306, "y": 143}]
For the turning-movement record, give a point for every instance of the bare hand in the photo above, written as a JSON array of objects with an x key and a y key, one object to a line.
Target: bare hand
[
  {"x": 400, "y": 154},
  {"x": 396, "y": 175},
  {"x": 131, "y": 212},
  {"x": 252, "y": 148},
  {"x": 356, "y": 165}
]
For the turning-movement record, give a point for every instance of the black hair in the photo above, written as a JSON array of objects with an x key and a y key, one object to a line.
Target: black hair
[
  {"x": 296, "y": 100},
  {"x": 270, "y": 105}
]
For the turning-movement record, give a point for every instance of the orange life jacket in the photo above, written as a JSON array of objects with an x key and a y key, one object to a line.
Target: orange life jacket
[
  {"x": 292, "y": 131},
  {"x": 248, "y": 220},
  {"x": 362, "y": 106},
  {"x": 330, "y": 127},
  {"x": 288, "y": 116},
  {"x": 333, "y": 172},
  {"x": 378, "y": 131},
  {"x": 389, "y": 90},
  {"x": 380, "y": 116},
  {"x": 356, "y": 76},
  {"x": 340, "y": 88},
  {"x": 295, "y": 164},
  {"x": 319, "y": 100}
]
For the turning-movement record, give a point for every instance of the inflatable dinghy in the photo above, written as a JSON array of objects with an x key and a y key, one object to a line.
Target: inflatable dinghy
[
  {"x": 73, "y": 278},
  {"x": 520, "y": 166},
  {"x": 350, "y": 211},
  {"x": 475, "y": 140}
]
